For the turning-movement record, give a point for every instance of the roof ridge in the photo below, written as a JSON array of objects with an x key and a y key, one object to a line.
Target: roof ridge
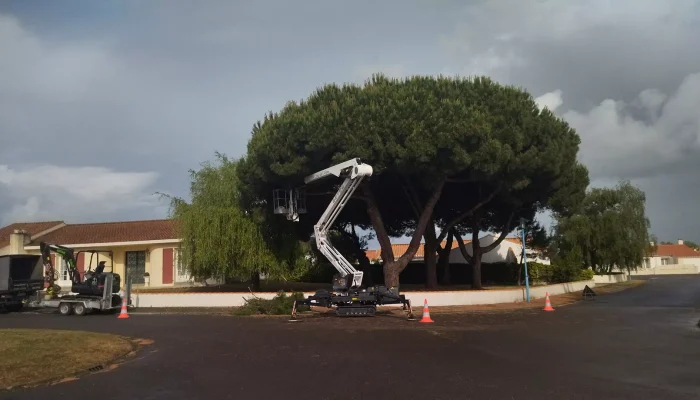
[
  {"x": 34, "y": 222},
  {"x": 120, "y": 222}
]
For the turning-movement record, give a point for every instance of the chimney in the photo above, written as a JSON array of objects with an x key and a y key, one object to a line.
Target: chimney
[
  {"x": 18, "y": 239},
  {"x": 680, "y": 241}
]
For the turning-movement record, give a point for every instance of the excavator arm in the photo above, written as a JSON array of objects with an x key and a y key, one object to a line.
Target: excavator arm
[{"x": 66, "y": 253}]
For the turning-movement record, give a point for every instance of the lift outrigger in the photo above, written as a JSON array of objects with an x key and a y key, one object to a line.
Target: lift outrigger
[{"x": 347, "y": 295}]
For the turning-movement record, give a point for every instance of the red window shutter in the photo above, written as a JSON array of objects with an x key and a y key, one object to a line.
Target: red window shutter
[
  {"x": 167, "y": 266},
  {"x": 81, "y": 263}
]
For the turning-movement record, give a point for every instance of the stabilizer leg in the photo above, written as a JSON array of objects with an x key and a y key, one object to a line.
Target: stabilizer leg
[
  {"x": 410, "y": 316},
  {"x": 293, "y": 317}
]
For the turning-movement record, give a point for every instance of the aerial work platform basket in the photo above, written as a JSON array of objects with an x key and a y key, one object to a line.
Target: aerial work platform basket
[{"x": 289, "y": 202}]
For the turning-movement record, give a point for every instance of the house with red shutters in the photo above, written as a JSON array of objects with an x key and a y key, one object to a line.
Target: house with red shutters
[{"x": 144, "y": 253}]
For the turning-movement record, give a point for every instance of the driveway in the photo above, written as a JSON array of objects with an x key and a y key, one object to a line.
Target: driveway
[{"x": 642, "y": 343}]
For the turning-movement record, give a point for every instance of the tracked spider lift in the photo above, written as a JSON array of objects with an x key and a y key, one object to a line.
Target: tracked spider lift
[{"x": 347, "y": 295}]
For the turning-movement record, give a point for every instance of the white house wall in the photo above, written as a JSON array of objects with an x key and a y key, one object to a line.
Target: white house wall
[
  {"x": 689, "y": 261},
  {"x": 506, "y": 251}
]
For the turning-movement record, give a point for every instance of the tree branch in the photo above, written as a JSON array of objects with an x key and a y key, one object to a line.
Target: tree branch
[
  {"x": 378, "y": 224},
  {"x": 462, "y": 246},
  {"x": 442, "y": 251},
  {"x": 453, "y": 180},
  {"x": 468, "y": 213},
  {"x": 413, "y": 198},
  {"x": 423, "y": 221},
  {"x": 354, "y": 196},
  {"x": 504, "y": 232}
]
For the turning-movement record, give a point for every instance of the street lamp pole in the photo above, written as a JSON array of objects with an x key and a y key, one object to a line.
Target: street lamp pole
[{"x": 527, "y": 281}]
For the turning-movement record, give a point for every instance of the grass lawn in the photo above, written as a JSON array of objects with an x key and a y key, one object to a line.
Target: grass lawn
[{"x": 32, "y": 356}]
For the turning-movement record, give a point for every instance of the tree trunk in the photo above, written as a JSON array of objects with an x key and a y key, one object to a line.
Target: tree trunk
[
  {"x": 387, "y": 252},
  {"x": 444, "y": 259},
  {"x": 430, "y": 256},
  {"x": 366, "y": 268},
  {"x": 364, "y": 263},
  {"x": 255, "y": 281},
  {"x": 478, "y": 251},
  {"x": 393, "y": 267},
  {"x": 520, "y": 270},
  {"x": 476, "y": 261}
]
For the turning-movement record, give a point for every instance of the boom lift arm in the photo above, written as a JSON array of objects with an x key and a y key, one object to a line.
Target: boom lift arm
[
  {"x": 354, "y": 172},
  {"x": 347, "y": 296}
]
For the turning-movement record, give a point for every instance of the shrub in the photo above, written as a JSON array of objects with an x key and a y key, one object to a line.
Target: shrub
[
  {"x": 540, "y": 273},
  {"x": 281, "y": 304},
  {"x": 585, "y": 274},
  {"x": 557, "y": 273}
]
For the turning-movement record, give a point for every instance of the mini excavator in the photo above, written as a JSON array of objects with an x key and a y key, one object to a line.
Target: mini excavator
[
  {"x": 91, "y": 284},
  {"x": 347, "y": 295}
]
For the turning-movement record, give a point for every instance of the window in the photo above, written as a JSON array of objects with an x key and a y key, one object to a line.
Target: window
[
  {"x": 63, "y": 273},
  {"x": 135, "y": 266}
]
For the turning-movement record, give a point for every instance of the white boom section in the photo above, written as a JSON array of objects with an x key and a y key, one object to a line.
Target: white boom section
[{"x": 354, "y": 172}]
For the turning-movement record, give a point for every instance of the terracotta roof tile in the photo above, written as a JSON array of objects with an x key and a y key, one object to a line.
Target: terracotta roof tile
[
  {"x": 676, "y": 250},
  {"x": 111, "y": 232},
  {"x": 400, "y": 248},
  {"x": 32, "y": 229}
]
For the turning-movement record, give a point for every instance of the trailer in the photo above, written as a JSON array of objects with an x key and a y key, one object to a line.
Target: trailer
[
  {"x": 21, "y": 278},
  {"x": 78, "y": 304}
]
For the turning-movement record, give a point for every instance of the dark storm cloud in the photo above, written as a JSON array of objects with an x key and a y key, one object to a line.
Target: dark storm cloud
[{"x": 143, "y": 91}]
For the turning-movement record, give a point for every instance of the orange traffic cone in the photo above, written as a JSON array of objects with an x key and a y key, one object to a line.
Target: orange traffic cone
[
  {"x": 123, "y": 314},
  {"x": 547, "y": 304},
  {"x": 426, "y": 313}
]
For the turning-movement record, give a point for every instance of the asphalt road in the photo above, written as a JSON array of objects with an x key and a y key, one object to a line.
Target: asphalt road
[{"x": 641, "y": 343}]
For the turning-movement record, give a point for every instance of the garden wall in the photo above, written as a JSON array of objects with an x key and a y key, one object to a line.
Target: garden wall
[
  {"x": 611, "y": 278},
  {"x": 447, "y": 298}
]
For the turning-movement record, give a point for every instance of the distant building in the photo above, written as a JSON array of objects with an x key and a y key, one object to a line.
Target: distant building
[
  {"x": 137, "y": 247},
  {"x": 509, "y": 250},
  {"x": 672, "y": 254}
]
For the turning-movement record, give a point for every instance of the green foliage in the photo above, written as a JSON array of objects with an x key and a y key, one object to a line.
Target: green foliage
[
  {"x": 690, "y": 244},
  {"x": 281, "y": 304},
  {"x": 222, "y": 238},
  {"x": 557, "y": 273},
  {"x": 609, "y": 230},
  {"x": 481, "y": 136},
  {"x": 586, "y": 274}
]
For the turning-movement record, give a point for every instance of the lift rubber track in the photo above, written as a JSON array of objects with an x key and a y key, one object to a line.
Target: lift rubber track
[{"x": 356, "y": 311}]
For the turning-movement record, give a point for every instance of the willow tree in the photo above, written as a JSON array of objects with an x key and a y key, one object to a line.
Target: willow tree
[
  {"x": 422, "y": 135},
  {"x": 221, "y": 238},
  {"x": 609, "y": 231}
]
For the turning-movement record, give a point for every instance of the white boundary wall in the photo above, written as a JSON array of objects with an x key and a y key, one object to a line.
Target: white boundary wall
[
  {"x": 451, "y": 298},
  {"x": 669, "y": 269},
  {"x": 612, "y": 278}
]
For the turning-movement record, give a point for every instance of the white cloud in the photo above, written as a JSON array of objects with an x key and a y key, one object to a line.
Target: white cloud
[
  {"x": 72, "y": 193},
  {"x": 663, "y": 137},
  {"x": 551, "y": 100}
]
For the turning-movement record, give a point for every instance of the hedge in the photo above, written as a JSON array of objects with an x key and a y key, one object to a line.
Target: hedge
[{"x": 461, "y": 274}]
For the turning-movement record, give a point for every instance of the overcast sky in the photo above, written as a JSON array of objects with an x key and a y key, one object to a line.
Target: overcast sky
[{"x": 103, "y": 103}]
